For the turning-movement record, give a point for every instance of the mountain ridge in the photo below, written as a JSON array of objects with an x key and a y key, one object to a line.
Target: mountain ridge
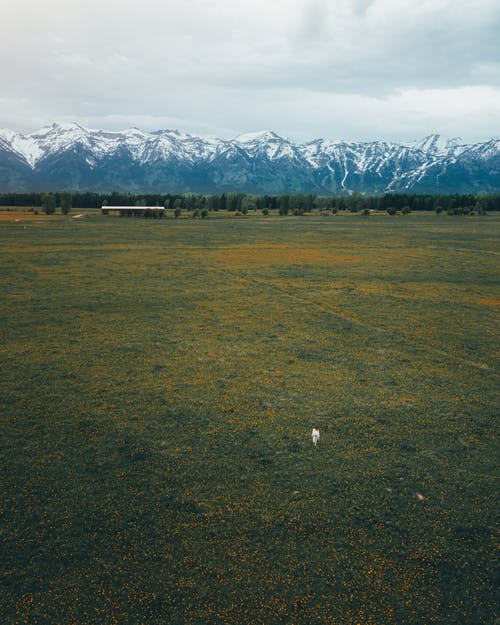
[{"x": 71, "y": 157}]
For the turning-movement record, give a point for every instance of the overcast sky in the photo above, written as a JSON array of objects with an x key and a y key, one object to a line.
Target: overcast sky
[{"x": 337, "y": 69}]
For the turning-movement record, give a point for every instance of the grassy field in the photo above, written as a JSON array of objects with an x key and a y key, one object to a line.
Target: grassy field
[{"x": 160, "y": 380}]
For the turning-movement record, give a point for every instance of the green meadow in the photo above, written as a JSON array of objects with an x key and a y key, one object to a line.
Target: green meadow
[{"x": 159, "y": 383}]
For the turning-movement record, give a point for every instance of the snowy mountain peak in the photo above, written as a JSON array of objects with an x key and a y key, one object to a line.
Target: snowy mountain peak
[
  {"x": 262, "y": 161},
  {"x": 60, "y": 129},
  {"x": 435, "y": 144},
  {"x": 69, "y": 127},
  {"x": 134, "y": 132},
  {"x": 261, "y": 136},
  {"x": 268, "y": 144}
]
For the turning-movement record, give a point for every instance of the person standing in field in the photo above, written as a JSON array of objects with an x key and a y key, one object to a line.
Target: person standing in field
[{"x": 315, "y": 435}]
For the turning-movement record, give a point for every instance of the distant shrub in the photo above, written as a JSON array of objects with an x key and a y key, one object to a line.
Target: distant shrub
[
  {"x": 479, "y": 208},
  {"x": 265, "y": 211},
  {"x": 392, "y": 211},
  {"x": 460, "y": 210}
]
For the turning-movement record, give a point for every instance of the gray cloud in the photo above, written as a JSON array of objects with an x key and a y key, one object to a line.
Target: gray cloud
[{"x": 306, "y": 68}]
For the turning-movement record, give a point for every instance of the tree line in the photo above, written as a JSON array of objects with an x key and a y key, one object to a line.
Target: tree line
[{"x": 285, "y": 203}]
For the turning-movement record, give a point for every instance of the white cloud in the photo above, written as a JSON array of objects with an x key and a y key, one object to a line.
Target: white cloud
[{"x": 308, "y": 67}]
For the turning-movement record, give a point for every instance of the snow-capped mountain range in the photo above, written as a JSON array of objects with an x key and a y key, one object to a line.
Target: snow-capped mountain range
[{"x": 70, "y": 157}]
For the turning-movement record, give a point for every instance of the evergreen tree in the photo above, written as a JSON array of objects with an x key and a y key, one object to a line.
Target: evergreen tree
[
  {"x": 284, "y": 204},
  {"x": 48, "y": 203},
  {"x": 66, "y": 203},
  {"x": 248, "y": 202}
]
